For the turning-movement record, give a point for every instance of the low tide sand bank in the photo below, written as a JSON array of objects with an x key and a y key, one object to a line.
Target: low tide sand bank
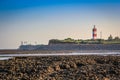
[{"x": 53, "y": 51}]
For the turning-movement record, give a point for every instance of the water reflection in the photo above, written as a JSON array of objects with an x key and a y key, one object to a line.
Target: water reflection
[
  {"x": 8, "y": 56},
  {"x": 5, "y": 58}
]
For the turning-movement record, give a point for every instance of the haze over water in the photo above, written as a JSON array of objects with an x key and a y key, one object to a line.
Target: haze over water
[{"x": 41, "y": 20}]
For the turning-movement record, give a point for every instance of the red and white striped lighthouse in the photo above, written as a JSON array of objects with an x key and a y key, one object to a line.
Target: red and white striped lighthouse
[{"x": 94, "y": 33}]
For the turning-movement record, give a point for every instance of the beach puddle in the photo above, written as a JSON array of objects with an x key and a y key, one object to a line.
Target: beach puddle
[{"x": 5, "y": 58}]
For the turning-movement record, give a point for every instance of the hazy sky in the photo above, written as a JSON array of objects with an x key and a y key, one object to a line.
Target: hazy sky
[{"x": 41, "y": 20}]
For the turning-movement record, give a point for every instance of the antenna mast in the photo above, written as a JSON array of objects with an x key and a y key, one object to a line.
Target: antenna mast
[{"x": 101, "y": 35}]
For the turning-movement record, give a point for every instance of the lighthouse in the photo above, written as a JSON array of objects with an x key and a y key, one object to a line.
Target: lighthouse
[{"x": 94, "y": 33}]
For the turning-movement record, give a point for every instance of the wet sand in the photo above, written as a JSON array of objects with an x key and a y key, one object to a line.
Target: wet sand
[
  {"x": 53, "y": 51},
  {"x": 61, "y": 68}
]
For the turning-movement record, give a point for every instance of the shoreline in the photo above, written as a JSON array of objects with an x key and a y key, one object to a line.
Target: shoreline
[
  {"x": 53, "y": 51},
  {"x": 61, "y": 54}
]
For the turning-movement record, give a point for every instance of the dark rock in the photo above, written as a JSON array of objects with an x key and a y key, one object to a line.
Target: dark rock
[{"x": 61, "y": 68}]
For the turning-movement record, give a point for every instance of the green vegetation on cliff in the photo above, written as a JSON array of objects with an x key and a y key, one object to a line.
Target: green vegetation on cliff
[{"x": 110, "y": 40}]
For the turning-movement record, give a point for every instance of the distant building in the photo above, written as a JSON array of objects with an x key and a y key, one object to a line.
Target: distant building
[
  {"x": 94, "y": 33},
  {"x": 110, "y": 37}
]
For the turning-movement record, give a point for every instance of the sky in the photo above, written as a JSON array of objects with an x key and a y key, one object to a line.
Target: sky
[{"x": 38, "y": 21}]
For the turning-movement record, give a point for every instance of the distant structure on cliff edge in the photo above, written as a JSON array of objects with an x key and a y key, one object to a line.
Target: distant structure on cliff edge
[
  {"x": 94, "y": 33},
  {"x": 78, "y": 44}
]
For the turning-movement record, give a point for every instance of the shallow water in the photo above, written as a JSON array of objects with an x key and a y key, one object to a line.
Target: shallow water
[
  {"x": 58, "y": 54},
  {"x": 9, "y": 56},
  {"x": 5, "y": 58}
]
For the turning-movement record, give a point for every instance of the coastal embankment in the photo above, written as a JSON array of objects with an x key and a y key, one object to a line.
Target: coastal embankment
[{"x": 71, "y": 47}]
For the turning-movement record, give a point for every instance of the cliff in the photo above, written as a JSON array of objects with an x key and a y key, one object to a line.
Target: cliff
[
  {"x": 72, "y": 44},
  {"x": 71, "y": 47}
]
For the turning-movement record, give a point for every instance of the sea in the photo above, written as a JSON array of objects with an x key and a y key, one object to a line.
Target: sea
[{"x": 10, "y": 56}]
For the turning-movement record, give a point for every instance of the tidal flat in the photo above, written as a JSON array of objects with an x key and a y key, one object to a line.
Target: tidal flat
[{"x": 83, "y": 67}]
